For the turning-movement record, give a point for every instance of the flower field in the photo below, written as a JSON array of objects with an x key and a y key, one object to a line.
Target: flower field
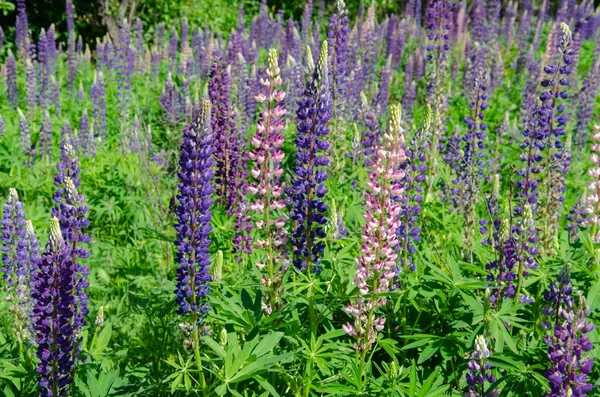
[{"x": 350, "y": 203}]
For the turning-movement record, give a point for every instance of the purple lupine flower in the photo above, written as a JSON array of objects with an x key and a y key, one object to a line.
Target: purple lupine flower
[
  {"x": 409, "y": 96},
  {"x": 71, "y": 60},
  {"x": 43, "y": 68},
  {"x": 25, "y": 132},
  {"x": 155, "y": 61},
  {"x": 12, "y": 89},
  {"x": 31, "y": 89},
  {"x": 306, "y": 22},
  {"x": 413, "y": 183},
  {"x": 510, "y": 16},
  {"x": 21, "y": 29},
  {"x": 83, "y": 140},
  {"x": 46, "y": 136},
  {"x": 20, "y": 256},
  {"x": 479, "y": 369},
  {"x": 173, "y": 46},
  {"x": 2, "y": 126},
  {"x": 577, "y": 218},
  {"x": 80, "y": 93},
  {"x": 267, "y": 188},
  {"x": 585, "y": 107},
  {"x": 66, "y": 134},
  {"x": 123, "y": 75},
  {"x": 54, "y": 311},
  {"x": 374, "y": 267},
  {"x": 568, "y": 339},
  {"x": 51, "y": 48},
  {"x": 439, "y": 18},
  {"x": 14, "y": 266},
  {"x": 169, "y": 99},
  {"x": 71, "y": 212},
  {"x": 369, "y": 129},
  {"x": 551, "y": 126},
  {"x": 380, "y": 101},
  {"x": 307, "y": 191},
  {"x": 185, "y": 32},
  {"x": 193, "y": 217},
  {"x": 138, "y": 36},
  {"x": 98, "y": 96}
]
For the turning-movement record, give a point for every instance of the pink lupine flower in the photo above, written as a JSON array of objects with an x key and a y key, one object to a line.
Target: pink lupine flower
[
  {"x": 267, "y": 188},
  {"x": 374, "y": 267}
]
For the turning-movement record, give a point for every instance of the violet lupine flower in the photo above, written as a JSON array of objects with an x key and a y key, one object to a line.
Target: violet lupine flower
[
  {"x": 577, "y": 218},
  {"x": 479, "y": 369},
  {"x": 551, "y": 126},
  {"x": 375, "y": 266},
  {"x": 26, "y": 147},
  {"x": 337, "y": 36},
  {"x": 31, "y": 89},
  {"x": 51, "y": 48},
  {"x": 71, "y": 60},
  {"x": 54, "y": 94},
  {"x": 14, "y": 266},
  {"x": 169, "y": 99},
  {"x": 193, "y": 216},
  {"x": 173, "y": 46},
  {"x": 439, "y": 19},
  {"x": 2, "y": 126},
  {"x": 20, "y": 256},
  {"x": 138, "y": 36},
  {"x": 71, "y": 212},
  {"x": 54, "y": 311},
  {"x": 369, "y": 128},
  {"x": 415, "y": 170},
  {"x": 593, "y": 198},
  {"x": 585, "y": 106},
  {"x": 568, "y": 340},
  {"x": 306, "y": 23},
  {"x": 43, "y": 69},
  {"x": 66, "y": 133},
  {"x": 83, "y": 142},
  {"x": 224, "y": 130},
  {"x": 21, "y": 29},
  {"x": 98, "y": 96},
  {"x": 267, "y": 189},
  {"x": 307, "y": 192},
  {"x": 383, "y": 87},
  {"x": 46, "y": 136},
  {"x": 12, "y": 89}
]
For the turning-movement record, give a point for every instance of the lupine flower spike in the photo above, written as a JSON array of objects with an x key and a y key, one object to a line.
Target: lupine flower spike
[
  {"x": 193, "y": 218},
  {"x": 308, "y": 185},
  {"x": 378, "y": 253},
  {"x": 267, "y": 189}
]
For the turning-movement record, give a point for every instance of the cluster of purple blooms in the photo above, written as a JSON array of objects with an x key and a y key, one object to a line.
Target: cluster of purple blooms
[
  {"x": 567, "y": 339},
  {"x": 307, "y": 191}
]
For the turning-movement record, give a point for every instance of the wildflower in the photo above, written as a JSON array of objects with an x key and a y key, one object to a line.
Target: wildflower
[
  {"x": 568, "y": 339},
  {"x": 193, "y": 216},
  {"x": 479, "y": 369},
  {"x": 375, "y": 265},
  {"x": 267, "y": 189},
  {"x": 308, "y": 185}
]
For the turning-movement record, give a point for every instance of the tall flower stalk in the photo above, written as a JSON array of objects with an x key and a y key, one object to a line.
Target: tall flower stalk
[
  {"x": 308, "y": 184},
  {"x": 193, "y": 223},
  {"x": 551, "y": 125},
  {"x": 71, "y": 212},
  {"x": 267, "y": 188},
  {"x": 378, "y": 253}
]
